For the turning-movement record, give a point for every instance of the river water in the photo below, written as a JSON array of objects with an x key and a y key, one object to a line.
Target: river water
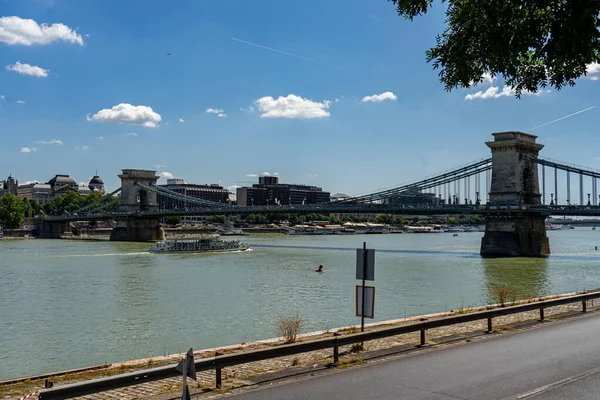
[{"x": 69, "y": 304}]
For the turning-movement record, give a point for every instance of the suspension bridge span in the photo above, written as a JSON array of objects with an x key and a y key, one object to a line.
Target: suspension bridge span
[{"x": 510, "y": 190}]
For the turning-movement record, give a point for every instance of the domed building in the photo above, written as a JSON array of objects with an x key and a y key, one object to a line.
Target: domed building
[
  {"x": 96, "y": 184},
  {"x": 61, "y": 184}
]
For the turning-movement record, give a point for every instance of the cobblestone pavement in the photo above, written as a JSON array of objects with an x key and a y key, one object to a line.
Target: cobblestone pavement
[{"x": 237, "y": 376}]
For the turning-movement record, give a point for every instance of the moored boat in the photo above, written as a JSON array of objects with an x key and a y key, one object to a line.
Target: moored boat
[{"x": 198, "y": 244}]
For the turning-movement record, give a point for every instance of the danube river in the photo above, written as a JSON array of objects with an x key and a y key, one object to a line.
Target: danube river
[{"x": 69, "y": 304}]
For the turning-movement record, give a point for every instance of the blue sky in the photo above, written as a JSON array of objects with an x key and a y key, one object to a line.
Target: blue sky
[{"x": 302, "y": 115}]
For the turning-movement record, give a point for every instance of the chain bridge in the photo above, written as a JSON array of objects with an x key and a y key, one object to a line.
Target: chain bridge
[{"x": 505, "y": 189}]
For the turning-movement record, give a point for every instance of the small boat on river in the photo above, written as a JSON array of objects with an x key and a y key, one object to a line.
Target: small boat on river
[{"x": 198, "y": 244}]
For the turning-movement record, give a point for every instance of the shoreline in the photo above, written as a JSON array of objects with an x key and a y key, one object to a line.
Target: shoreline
[{"x": 175, "y": 357}]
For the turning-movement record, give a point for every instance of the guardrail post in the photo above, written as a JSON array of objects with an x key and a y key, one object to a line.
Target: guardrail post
[
  {"x": 584, "y": 304},
  {"x": 490, "y": 330},
  {"x": 218, "y": 373},
  {"x": 541, "y": 314},
  {"x": 422, "y": 337},
  {"x": 336, "y": 350}
]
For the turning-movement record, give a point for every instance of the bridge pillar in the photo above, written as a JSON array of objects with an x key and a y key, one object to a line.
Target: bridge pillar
[
  {"x": 135, "y": 198},
  {"x": 511, "y": 230},
  {"x": 51, "y": 230}
]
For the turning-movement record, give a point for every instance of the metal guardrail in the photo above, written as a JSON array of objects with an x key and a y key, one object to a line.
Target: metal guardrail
[{"x": 217, "y": 362}]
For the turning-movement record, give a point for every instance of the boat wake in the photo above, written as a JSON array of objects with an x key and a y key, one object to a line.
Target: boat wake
[{"x": 137, "y": 253}]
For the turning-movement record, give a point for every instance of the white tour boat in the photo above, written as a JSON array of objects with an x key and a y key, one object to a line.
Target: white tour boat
[{"x": 198, "y": 244}]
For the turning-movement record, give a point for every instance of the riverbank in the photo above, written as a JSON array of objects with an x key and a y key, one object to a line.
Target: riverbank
[{"x": 249, "y": 374}]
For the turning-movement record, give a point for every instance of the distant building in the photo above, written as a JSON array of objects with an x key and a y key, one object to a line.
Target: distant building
[
  {"x": 270, "y": 191},
  {"x": 339, "y": 197},
  {"x": 96, "y": 184},
  {"x": 40, "y": 192},
  {"x": 10, "y": 185},
  {"x": 210, "y": 192},
  {"x": 60, "y": 184}
]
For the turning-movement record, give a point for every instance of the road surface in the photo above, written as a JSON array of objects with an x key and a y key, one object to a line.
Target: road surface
[{"x": 559, "y": 361}]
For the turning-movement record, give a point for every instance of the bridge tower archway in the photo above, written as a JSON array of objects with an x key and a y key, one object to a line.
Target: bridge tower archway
[
  {"x": 135, "y": 198},
  {"x": 511, "y": 228}
]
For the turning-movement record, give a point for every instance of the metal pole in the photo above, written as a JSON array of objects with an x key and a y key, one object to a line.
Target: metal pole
[
  {"x": 362, "y": 314},
  {"x": 184, "y": 373},
  {"x": 543, "y": 184},
  {"x": 568, "y": 187},
  {"x": 580, "y": 189},
  {"x": 555, "y": 186}
]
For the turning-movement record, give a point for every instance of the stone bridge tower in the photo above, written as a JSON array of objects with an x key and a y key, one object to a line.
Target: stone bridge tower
[
  {"x": 511, "y": 229},
  {"x": 135, "y": 198}
]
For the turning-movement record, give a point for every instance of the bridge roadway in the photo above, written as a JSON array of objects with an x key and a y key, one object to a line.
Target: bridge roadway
[
  {"x": 558, "y": 361},
  {"x": 459, "y": 209}
]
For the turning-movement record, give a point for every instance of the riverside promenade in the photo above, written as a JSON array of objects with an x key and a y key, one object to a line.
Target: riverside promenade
[{"x": 252, "y": 374}]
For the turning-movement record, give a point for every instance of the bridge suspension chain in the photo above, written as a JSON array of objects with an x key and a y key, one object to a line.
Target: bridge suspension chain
[
  {"x": 103, "y": 198},
  {"x": 441, "y": 179},
  {"x": 179, "y": 196}
]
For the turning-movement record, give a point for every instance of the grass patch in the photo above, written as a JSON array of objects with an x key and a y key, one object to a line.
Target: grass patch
[{"x": 350, "y": 362}]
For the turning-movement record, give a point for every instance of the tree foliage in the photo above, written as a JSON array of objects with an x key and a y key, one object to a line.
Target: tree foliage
[
  {"x": 73, "y": 200},
  {"x": 173, "y": 220},
  {"x": 531, "y": 44},
  {"x": 12, "y": 211}
]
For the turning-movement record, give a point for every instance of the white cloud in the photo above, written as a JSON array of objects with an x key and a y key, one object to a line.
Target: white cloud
[
  {"x": 233, "y": 187},
  {"x": 26, "y": 69},
  {"x": 214, "y": 111},
  {"x": 266, "y": 174},
  {"x": 2, "y": 97},
  {"x": 486, "y": 79},
  {"x": 378, "y": 98},
  {"x": 161, "y": 166},
  {"x": 125, "y": 113},
  {"x": 132, "y": 134},
  {"x": 313, "y": 175},
  {"x": 53, "y": 141},
  {"x": 222, "y": 115},
  {"x": 21, "y": 101},
  {"x": 15, "y": 30},
  {"x": 27, "y": 149},
  {"x": 494, "y": 92},
  {"x": 35, "y": 181},
  {"x": 374, "y": 17},
  {"x": 249, "y": 109},
  {"x": 166, "y": 175},
  {"x": 100, "y": 137},
  {"x": 181, "y": 120},
  {"x": 593, "y": 71},
  {"x": 252, "y": 175},
  {"x": 82, "y": 148},
  {"x": 292, "y": 106},
  {"x": 275, "y": 173}
]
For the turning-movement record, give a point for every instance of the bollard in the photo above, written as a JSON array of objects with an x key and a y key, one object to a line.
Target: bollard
[
  {"x": 336, "y": 350},
  {"x": 422, "y": 337},
  {"x": 218, "y": 373},
  {"x": 584, "y": 304},
  {"x": 490, "y": 330},
  {"x": 541, "y": 314}
]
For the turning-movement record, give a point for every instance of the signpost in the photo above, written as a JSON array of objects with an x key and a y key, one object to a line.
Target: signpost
[
  {"x": 187, "y": 368},
  {"x": 369, "y": 300},
  {"x": 365, "y": 270}
]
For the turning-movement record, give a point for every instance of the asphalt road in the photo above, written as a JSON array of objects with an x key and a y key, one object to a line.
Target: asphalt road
[{"x": 559, "y": 361}]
